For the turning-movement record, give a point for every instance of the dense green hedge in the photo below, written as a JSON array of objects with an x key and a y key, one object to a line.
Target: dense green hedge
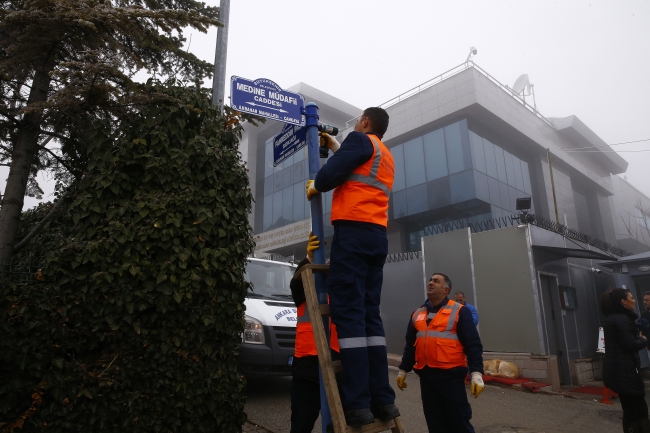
[{"x": 138, "y": 322}]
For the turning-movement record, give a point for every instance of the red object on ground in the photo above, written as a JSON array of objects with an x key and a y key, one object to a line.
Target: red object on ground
[
  {"x": 606, "y": 394},
  {"x": 534, "y": 386},
  {"x": 504, "y": 380},
  {"x": 589, "y": 390}
]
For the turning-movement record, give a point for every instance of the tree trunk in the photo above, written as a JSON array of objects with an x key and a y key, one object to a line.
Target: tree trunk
[{"x": 24, "y": 152}]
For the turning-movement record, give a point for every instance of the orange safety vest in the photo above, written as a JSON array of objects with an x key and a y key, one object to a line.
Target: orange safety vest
[
  {"x": 364, "y": 194},
  {"x": 437, "y": 344},
  {"x": 305, "y": 341}
]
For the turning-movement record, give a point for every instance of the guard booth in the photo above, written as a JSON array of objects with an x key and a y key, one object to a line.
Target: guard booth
[{"x": 537, "y": 292}]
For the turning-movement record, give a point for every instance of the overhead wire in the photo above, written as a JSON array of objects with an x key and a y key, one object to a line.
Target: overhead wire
[{"x": 604, "y": 151}]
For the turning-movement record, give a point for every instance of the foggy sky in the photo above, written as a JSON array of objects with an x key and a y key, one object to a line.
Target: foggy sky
[{"x": 585, "y": 58}]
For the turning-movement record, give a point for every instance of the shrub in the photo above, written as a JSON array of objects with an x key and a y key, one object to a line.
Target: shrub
[{"x": 138, "y": 322}]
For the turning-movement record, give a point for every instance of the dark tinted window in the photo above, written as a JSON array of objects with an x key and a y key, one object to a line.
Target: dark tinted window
[
  {"x": 435, "y": 155},
  {"x": 398, "y": 158},
  {"x": 414, "y": 162}
]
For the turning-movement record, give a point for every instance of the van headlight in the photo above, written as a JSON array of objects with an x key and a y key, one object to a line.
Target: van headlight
[{"x": 253, "y": 331}]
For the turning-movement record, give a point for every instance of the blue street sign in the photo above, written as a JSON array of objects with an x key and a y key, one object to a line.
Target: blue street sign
[
  {"x": 289, "y": 141},
  {"x": 264, "y": 98}
]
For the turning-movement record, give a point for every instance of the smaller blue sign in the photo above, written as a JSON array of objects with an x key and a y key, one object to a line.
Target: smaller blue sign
[
  {"x": 289, "y": 141},
  {"x": 263, "y": 97}
]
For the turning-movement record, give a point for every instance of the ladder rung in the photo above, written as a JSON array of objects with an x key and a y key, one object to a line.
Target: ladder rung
[
  {"x": 324, "y": 309},
  {"x": 314, "y": 268},
  {"x": 375, "y": 427}
]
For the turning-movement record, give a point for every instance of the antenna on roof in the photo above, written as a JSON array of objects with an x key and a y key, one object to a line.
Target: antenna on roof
[
  {"x": 472, "y": 52},
  {"x": 522, "y": 85}
]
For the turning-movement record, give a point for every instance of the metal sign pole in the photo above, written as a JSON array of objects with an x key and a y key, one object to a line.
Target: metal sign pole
[
  {"x": 220, "y": 55},
  {"x": 311, "y": 116}
]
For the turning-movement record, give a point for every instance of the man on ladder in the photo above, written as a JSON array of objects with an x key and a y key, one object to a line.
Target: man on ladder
[{"x": 361, "y": 172}]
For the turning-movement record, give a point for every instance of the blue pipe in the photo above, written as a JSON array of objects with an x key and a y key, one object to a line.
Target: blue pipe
[{"x": 311, "y": 116}]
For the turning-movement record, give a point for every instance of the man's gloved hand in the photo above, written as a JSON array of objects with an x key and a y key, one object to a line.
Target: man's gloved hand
[
  {"x": 310, "y": 189},
  {"x": 401, "y": 380},
  {"x": 477, "y": 384},
  {"x": 312, "y": 245},
  {"x": 328, "y": 141}
]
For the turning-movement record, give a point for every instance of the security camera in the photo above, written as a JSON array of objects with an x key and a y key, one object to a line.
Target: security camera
[
  {"x": 596, "y": 270},
  {"x": 473, "y": 50}
]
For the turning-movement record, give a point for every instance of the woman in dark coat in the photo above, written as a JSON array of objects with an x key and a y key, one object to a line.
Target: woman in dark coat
[{"x": 621, "y": 367}]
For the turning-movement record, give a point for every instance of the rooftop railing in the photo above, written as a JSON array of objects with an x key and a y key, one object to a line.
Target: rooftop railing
[{"x": 448, "y": 74}]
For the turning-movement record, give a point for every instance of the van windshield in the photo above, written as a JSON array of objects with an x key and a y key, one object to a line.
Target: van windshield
[{"x": 269, "y": 279}]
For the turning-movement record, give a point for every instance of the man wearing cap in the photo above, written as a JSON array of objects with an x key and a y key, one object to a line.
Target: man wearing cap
[{"x": 441, "y": 342}]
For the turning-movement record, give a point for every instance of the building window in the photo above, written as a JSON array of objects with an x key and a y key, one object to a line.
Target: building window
[
  {"x": 490, "y": 159},
  {"x": 435, "y": 155},
  {"x": 478, "y": 153},
  {"x": 458, "y": 153},
  {"x": 461, "y": 186},
  {"x": 399, "y": 182},
  {"x": 414, "y": 160},
  {"x": 416, "y": 199}
]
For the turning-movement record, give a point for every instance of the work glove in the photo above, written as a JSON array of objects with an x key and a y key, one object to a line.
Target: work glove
[
  {"x": 310, "y": 189},
  {"x": 312, "y": 245},
  {"x": 328, "y": 141},
  {"x": 401, "y": 380},
  {"x": 476, "y": 385}
]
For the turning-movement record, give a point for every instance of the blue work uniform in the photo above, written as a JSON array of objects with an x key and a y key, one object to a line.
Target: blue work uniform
[
  {"x": 357, "y": 258},
  {"x": 444, "y": 398}
]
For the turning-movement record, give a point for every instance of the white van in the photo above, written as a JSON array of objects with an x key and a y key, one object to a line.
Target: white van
[{"x": 270, "y": 334}]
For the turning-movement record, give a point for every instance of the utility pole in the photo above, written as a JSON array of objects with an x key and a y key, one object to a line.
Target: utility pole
[
  {"x": 220, "y": 56},
  {"x": 550, "y": 168}
]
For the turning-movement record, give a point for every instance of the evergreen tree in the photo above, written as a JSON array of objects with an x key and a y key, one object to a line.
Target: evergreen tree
[{"x": 65, "y": 64}]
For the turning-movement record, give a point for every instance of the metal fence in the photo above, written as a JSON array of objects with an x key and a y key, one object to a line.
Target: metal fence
[
  {"x": 539, "y": 221},
  {"x": 400, "y": 257}
]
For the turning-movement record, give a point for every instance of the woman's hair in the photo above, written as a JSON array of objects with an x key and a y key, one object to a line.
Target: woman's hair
[{"x": 611, "y": 299}]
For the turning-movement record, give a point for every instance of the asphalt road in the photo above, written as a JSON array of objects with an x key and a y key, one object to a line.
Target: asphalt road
[{"x": 497, "y": 410}]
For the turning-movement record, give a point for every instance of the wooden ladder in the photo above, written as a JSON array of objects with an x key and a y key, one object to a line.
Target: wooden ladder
[{"x": 316, "y": 311}]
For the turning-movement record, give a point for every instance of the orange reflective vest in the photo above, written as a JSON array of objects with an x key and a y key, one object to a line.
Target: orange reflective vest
[
  {"x": 305, "y": 341},
  {"x": 437, "y": 344},
  {"x": 364, "y": 195}
]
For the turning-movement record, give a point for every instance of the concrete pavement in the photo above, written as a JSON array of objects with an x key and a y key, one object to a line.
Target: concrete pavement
[{"x": 497, "y": 410}]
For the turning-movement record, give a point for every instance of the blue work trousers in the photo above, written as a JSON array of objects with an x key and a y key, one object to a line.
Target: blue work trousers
[
  {"x": 354, "y": 285},
  {"x": 445, "y": 405}
]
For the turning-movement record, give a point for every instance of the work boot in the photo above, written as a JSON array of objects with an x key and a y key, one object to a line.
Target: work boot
[
  {"x": 385, "y": 412},
  {"x": 359, "y": 417}
]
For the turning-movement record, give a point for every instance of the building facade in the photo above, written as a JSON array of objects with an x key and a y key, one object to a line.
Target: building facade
[{"x": 465, "y": 148}]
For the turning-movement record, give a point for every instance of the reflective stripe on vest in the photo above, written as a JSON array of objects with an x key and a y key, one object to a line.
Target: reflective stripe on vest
[
  {"x": 437, "y": 344},
  {"x": 305, "y": 342},
  {"x": 364, "y": 194}
]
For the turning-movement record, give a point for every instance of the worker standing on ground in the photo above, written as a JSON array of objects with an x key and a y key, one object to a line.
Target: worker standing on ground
[
  {"x": 361, "y": 172},
  {"x": 459, "y": 297},
  {"x": 305, "y": 387},
  {"x": 441, "y": 340}
]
